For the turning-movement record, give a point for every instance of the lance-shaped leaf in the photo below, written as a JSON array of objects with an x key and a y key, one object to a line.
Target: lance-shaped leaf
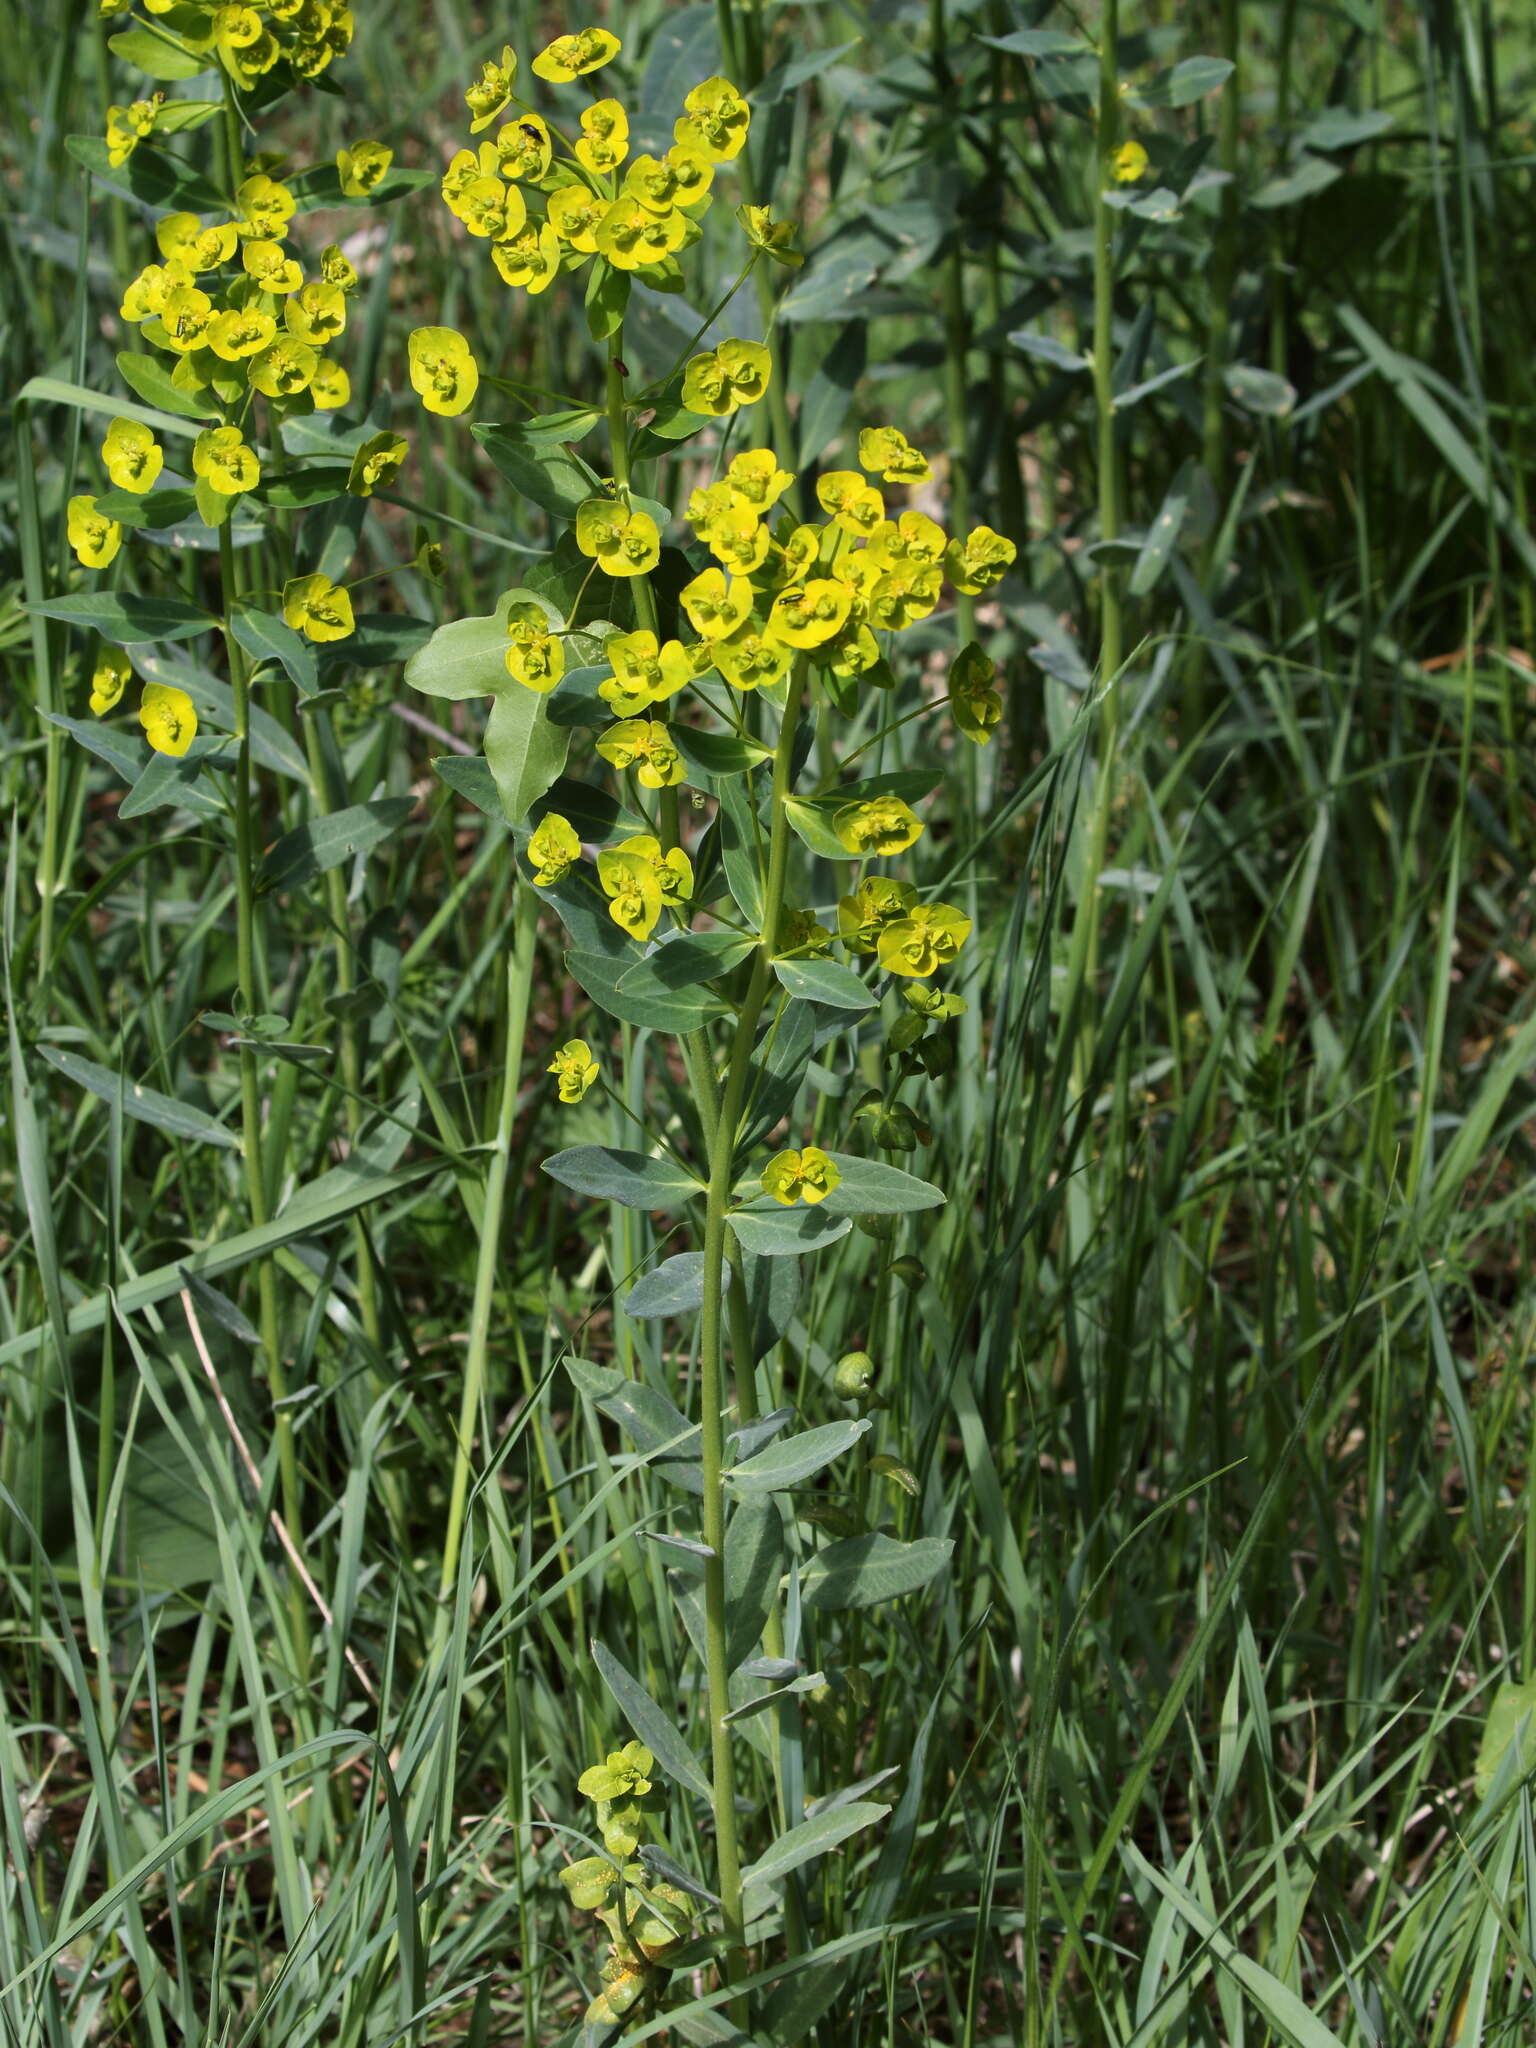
[
  {"x": 152, "y": 381},
  {"x": 781, "y": 1233},
  {"x": 674, "y": 1288},
  {"x": 266, "y": 637},
  {"x": 147, "y": 1104},
  {"x": 154, "y": 511},
  {"x": 654, "y": 1007},
  {"x": 539, "y": 469},
  {"x": 469, "y": 776},
  {"x": 627, "y": 1177},
  {"x": 660, "y": 1432},
  {"x": 326, "y": 842},
  {"x": 794, "y": 1459},
  {"x": 824, "y": 981},
  {"x": 526, "y": 753},
  {"x": 654, "y": 1728},
  {"x": 812, "y": 1838},
  {"x": 125, "y": 619},
  {"x": 863, "y": 1571},
  {"x": 870, "y": 1188},
  {"x": 161, "y": 181},
  {"x": 685, "y": 961}
]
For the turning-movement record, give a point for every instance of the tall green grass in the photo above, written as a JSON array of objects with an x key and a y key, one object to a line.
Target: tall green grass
[{"x": 1215, "y": 1368}]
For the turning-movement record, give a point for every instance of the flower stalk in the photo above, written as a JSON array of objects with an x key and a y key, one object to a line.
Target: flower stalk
[{"x": 519, "y": 987}]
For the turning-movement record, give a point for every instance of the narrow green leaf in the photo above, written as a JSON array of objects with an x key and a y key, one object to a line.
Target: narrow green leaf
[
  {"x": 323, "y": 843},
  {"x": 125, "y": 619},
  {"x": 319, "y": 186},
  {"x": 793, "y": 1459},
  {"x": 169, "y": 781},
  {"x": 712, "y": 755},
  {"x": 1276, "y": 2001},
  {"x": 829, "y": 390},
  {"x": 754, "y": 1561},
  {"x": 685, "y": 961},
  {"x": 660, "y": 1433},
  {"x": 1187, "y": 82},
  {"x": 674, "y": 1288},
  {"x": 298, "y": 1219},
  {"x": 124, "y": 753},
  {"x": 147, "y": 509},
  {"x": 1260, "y": 392},
  {"x": 742, "y": 849},
  {"x": 871, "y": 1188},
  {"x": 1403, "y": 376},
  {"x": 863, "y": 1571},
  {"x": 160, "y": 181},
  {"x": 157, "y": 54},
  {"x": 654, "y": 1728},
  {"x": 811, "y": 823},
  {"x": 781, "y": 1233},
  {"x": 266, "y": 638},
  {"x": 525, "y": 751},
  {"x": 1163, "y": 533},
  {"x": 1340, "y": 128},
  {"x": 1512, "y": 1713},
  {"x": 1308, "y": 176},
  {"x": 657, "y": 1007},
  {"x": 810, "y": 1839},
  {"x": 538, "y": 469},
  {"x": 297, "y": 488},
  {"x": 165, "y": 1112},
  {"x": 54, "y": 391},
  {"x": 627, "y": 1177},
  {"x": 825, "y": 981},
  {"x": 469, "y": 776}
]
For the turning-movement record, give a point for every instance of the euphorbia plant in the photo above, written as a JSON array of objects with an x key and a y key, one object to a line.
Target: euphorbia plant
[
  {"x": 235, "y": 452},
  {"x": 705, "y": 666}
]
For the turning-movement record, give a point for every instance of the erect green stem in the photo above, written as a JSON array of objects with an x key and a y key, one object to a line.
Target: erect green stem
[
  {"x": 618, "y": 456},
  {"x": 1083, "y": 962},
  {"x": 519, "y": 988},
  {"x": 29, "y": 535},
  {"x": 1104, "y": 352},
  {"x": 722, "y": 1164},
  {"x": 351, "y": 1048},
  {"x": 957, "y": 417},
  {"x": 1224, "y": 264},
  {"x": 247, "y": 999}
]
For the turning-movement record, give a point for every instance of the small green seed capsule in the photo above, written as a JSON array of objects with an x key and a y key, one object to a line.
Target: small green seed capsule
[
  {"x": 853, "y": 1376},
  {"x": 910, "y": 1269},
  {"x": 881, "y": 1228}
]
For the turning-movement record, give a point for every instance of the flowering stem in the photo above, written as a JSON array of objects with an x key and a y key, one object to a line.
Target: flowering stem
[
  {"x": 519, "y": 989},
  {"x": 722, "y": 1164},
  {"x": 247, "y": 996},
  {"x": 1085, "y": 939},
  {"x": 618, "y": 456},
  {"x": 1104, "y": 351}
]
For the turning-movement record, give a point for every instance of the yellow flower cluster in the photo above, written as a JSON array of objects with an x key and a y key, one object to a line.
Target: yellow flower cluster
[
  {"x": 781, "y": 591},
  {"x": 230, "y": 304},
  {"x": 246, "y": 40},
  {"x": 574, "y": 1069},
  {"x": 648, "y": 1921},
  {"x": 634, "y": 213},
  {"x": 168, "y": 715},
  {"x": 794, "y": 1177},
  {"x": 639, "y": 877}
]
